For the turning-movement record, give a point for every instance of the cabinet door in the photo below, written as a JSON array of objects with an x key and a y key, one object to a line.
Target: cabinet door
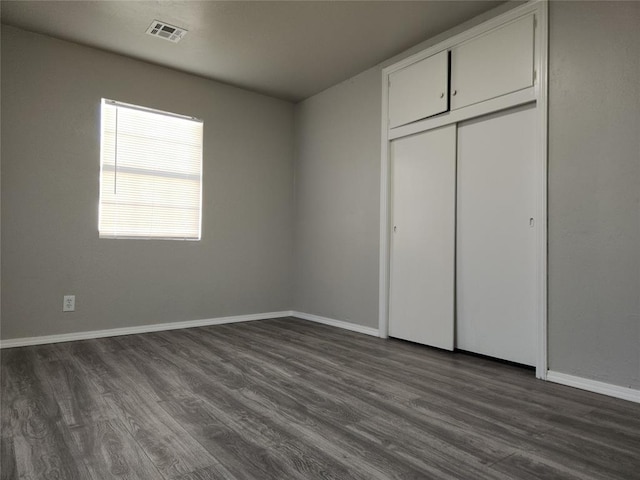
[
  {"x": 421, "y": 296},
  {"x": 494, "y": 64},
  {"x": 419, "y": 90},
  {"x": 496, "y": 235}
]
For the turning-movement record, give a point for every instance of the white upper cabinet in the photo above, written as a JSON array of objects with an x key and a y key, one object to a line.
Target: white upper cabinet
[
  {"x": 493, "y": 64},
  {"x": 419, "y": 90}
]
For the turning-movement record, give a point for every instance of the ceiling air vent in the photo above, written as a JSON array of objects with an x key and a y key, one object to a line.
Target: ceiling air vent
[{"x": 168, "y": 32}]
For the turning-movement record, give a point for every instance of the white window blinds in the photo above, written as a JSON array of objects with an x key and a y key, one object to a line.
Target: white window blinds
[{"x": 150, "y": 174}]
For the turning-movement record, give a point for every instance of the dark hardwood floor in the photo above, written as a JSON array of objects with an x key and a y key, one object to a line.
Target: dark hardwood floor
[{"x": 289, "y": 399}]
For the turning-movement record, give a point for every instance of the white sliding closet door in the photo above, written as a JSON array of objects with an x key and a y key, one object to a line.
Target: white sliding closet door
[
  {"x": 421, "y": 305},
  {"x": 496, "y": 232}
]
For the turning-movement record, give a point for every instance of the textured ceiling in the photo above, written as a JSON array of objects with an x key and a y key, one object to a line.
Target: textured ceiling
[{"x": 290, "y": 49}]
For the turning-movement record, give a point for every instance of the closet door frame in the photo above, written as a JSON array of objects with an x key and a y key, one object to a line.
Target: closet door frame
[{"x": 538, "y": 93}]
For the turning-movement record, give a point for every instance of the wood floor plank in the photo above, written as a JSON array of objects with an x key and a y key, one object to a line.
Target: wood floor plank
[
  {"x": 40, "y": 443},
  {"x": 614, "y": 420},
  {"x": 80, "y": 402},
  {"x": 520, "y": 415},
  {"x": 306, "y": 363},
  {"x": 212, "y": 472},
  {"x": 451, "y": 408},
  {"x": 7, "y": 458},
  {"x": 524, "y": 466},
  {"x": 313, "y": 406},
  {"x": 290, "y": 399},
  {"x": 170, "y": 448},
  {"x": 110, "y": 453},
  {"x": 224, "y": 433},
  {"x": 248, "y": 420},
  {"x": 241, "y": 457},
  {"x": 425, "y": 368},
  {"x": 590, "y": 453},
  {"x": 325, "y": 431},
  {"x": 477, "y": 371},
  {"x": 486, "y": 424}
]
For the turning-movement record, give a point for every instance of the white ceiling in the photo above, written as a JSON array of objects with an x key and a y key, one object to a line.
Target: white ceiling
[{"x": 288, "y": 49}]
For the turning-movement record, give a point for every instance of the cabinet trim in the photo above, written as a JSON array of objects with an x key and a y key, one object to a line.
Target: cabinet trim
[{"x": 497, "y": 104}]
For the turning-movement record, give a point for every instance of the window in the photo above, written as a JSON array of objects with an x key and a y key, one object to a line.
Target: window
[{"x": 150, "y": 173}]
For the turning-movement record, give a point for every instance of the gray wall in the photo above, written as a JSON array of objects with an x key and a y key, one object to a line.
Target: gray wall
[
  {"x": 337, "y": 171},
  {"x": 51, "y": 94},
  {"x": 337, "y": 184},
  {"x": 594, "y": 190}
]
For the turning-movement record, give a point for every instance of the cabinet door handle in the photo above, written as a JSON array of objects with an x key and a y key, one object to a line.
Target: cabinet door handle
[
  {"x": 455, "y": 92},
  {"x": 442, "y": 95}
]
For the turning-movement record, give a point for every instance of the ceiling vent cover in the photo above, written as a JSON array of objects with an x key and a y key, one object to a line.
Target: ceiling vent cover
[{"x": 168, "y": 32}]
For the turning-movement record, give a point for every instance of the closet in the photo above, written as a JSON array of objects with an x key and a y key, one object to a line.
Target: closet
[{"x": 465, "y": 167}]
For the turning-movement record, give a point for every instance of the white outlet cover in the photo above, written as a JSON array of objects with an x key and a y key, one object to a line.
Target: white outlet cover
[{"x": 69, "y": 303}]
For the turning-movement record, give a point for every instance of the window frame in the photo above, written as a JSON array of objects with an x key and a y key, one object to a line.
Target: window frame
[{"x": 148, "y": 235}]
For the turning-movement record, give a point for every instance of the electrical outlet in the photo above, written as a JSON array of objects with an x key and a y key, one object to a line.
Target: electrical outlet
[{"x": 69, "y": 303}]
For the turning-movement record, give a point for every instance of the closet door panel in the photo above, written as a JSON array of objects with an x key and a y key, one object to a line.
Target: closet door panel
[
  {"x": 421, "y": 297},
  {"x": 493, "y": 64},
  {"x": 496, "y": 251},
  {"x": 419, "y": 90}
]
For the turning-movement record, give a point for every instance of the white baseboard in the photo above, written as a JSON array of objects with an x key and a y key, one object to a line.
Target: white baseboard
[
  {"x": 114, "y": 332},
  {"x": 354, "y": 327},
  {"x": 617, "y": 391}
]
